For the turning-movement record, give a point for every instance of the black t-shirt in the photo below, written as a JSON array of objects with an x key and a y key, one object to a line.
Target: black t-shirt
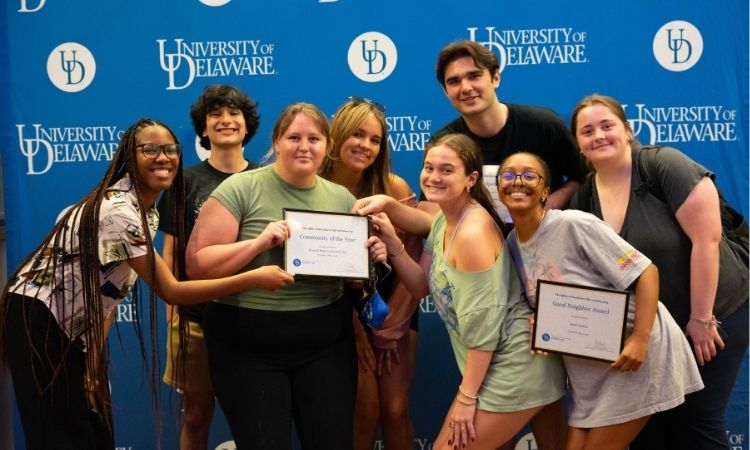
[
  {"x": 650, "y": 226},
  {"x": 200, "y": 181},
  {"x": 531, "y": 129}
]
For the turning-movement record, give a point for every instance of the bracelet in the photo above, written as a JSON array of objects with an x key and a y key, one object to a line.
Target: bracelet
[
  {"x": 464, "y": 402},
  {"x": 476, "y": 397},
  {"x": 401, "y": 250},
  {"x": 707, "y": 323}
]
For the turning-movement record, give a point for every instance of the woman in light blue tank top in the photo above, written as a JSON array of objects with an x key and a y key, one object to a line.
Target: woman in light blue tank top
[{"x": 470, "y": 275}]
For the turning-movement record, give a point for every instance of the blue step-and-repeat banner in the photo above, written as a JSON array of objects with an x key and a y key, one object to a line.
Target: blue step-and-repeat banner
[{"x": 75, "y": 74}]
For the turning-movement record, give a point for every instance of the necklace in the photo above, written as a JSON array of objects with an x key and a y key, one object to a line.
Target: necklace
[
  {"x": 464, "y": 211},
  {"x": 534, "y": 236}
]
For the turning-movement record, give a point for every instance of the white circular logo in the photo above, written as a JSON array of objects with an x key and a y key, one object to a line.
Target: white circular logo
[
  {"x": 678, "y": 45},
  {"x": 372, "y": 56},
  {"x": 228, "y": 445},
  {"x": 215, "y": 2},
  {"x": 62, "y": 213},
  {"x": 71, "y": 67},
  {"x": 527, "y": 442},
  {"x": 202, "y": 153}
]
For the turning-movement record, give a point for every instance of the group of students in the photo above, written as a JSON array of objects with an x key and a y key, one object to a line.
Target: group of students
[{"x": 274, "y": 348}]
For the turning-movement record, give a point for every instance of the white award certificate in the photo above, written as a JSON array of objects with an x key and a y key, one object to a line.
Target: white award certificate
[
  {"x": 580, "y": 321},
  {"x": 327, "y": 244}
]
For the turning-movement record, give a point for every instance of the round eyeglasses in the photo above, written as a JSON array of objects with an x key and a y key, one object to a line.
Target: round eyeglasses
[
  {"x": 152, "y": 151},
  {"x": 528, "y": 178}
]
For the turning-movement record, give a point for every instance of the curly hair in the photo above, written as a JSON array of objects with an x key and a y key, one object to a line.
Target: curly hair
[{"x": 217, "y": 96}]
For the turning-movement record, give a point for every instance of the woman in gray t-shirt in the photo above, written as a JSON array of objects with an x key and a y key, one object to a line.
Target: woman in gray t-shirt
[{"x": 655, "y": 369}]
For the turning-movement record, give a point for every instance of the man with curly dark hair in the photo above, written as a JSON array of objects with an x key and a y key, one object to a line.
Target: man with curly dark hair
[{"x": 225, "y": 119}]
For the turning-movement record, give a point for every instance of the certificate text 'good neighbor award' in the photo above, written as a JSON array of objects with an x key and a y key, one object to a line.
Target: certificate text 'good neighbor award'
[{"x": 580, "y": 320}]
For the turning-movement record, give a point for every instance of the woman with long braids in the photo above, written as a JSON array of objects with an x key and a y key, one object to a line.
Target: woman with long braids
[{"x": 59, "y": 304}]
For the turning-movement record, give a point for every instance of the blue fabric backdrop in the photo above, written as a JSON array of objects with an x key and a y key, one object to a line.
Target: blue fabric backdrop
[{"x": 74, "y": 75}]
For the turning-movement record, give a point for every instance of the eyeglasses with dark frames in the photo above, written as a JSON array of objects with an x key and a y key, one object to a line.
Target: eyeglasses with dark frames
[
  {"x": 528, "y": 178},
  {"x": 152, "y": 151},
  {"x": 374, "y": 104}
]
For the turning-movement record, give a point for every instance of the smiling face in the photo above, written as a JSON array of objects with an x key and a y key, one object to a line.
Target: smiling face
[
  {"x": 444, "y": 179},
  {"x": 225, "y": 127},
  {"x": 154, "y": 174},
  {"x": 361, "y": 149},
  {"x": 470, "y": 89},
  {"x": 602, "y": 136},
  {"x": 519, "y": 196},
  {"x": 300, "y": 150}
]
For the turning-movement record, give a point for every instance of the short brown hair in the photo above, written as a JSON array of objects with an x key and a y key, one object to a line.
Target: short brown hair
[{"x": 483, "y": 57}]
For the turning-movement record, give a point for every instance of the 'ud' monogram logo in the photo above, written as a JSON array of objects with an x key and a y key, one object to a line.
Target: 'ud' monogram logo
[
  {"x": 25, "y": 8},
  {"x": 676, "y": 45},
  {"x": 69, "y": 67},
  {"x": 31, "y": 147},
  {"x": 684, "y": 45},
  {"x": 491, "y": 44},
  {"x": 171, "y": 62},
  {"x": 371, "y": 56}
]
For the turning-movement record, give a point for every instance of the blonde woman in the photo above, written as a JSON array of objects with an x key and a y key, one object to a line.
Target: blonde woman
[{"x": 359, "y": 160}]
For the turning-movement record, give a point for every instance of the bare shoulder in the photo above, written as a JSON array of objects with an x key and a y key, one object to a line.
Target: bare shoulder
[
  {"x": 399, "y": 187},
  {"x": 480, "y": 241}
]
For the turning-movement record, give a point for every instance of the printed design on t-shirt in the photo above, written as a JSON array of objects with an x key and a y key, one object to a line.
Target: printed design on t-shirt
[
  {"x": 38, "y": 274},
  {"x": 539, "y": 268},
  {"x": 197, "y": 207},
  {"x": 442, "y": 296},
  {"x": 115, "y": 250},
  {"x": 77, "y": 323},
  {"x": 119, "y": 235},
  {"x": 627, "y": 259},
  {"x": 113, "y": 195},
  {"x": 120, "y": 232}
]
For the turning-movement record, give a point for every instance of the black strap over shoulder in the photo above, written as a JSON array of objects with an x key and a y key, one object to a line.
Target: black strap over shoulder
[
  {"x": 583, "y": 197},
  {"x": 733, "y": 224},
  {"x": 644, "y": 158}
]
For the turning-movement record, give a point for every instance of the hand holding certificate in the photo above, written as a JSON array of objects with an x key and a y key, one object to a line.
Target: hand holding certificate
[
  {"x": 580, "y": 320},
  {"x": 327, "y": 244}
]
